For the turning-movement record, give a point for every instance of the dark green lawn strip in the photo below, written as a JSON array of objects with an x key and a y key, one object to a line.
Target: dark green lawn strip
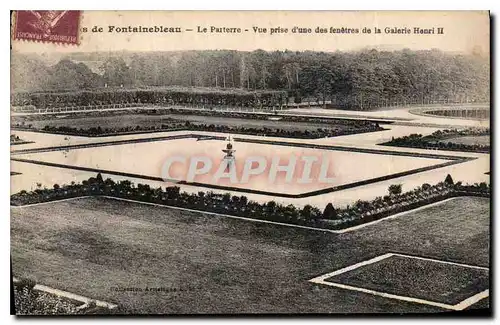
[{"x": 416, "y": 278}]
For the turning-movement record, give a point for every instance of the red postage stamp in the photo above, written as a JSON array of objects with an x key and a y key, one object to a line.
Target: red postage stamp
[{"x": 57, "y": 26}]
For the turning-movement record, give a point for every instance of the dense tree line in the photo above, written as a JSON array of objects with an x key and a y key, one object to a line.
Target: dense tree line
[
  {"x": 359, "y": 212},
  {"x": 359, "y": 80}
]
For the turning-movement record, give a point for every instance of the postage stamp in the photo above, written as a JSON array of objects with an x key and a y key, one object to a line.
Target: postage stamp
[{"x": 56, "y": 26}]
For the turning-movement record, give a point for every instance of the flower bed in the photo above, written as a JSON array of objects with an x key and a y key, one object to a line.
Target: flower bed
[{"x": 360, "y": 212}]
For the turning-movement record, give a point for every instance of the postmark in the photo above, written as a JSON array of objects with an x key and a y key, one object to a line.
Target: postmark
[{"x": 52, "y": 26}]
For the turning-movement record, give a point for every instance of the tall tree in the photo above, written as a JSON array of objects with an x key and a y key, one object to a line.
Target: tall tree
[{"x": 116, "y": 72}]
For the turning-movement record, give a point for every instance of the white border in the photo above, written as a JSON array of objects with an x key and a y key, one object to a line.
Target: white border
[
  {"x": 86, "y": 301},
  {"x": 459, "y": 306}
]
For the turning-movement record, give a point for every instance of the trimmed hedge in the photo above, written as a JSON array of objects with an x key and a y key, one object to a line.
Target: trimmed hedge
[{"x": 360, "y": 212}]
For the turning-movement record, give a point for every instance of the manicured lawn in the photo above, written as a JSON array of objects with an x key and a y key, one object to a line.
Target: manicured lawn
[
  {"x": 416, "y": 278},
  {"x": 471, "y": 140},
  {"x": 208, "y": 264},
  {"x": 144, "y": 120}
]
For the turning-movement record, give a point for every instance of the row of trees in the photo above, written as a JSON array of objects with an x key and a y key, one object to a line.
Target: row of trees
[
  {"x": 154, "y": 96},
  {"x": 359, "y": 80},
  {"x": 360, "y": 212},
  {"x": 437, "y": 140}
]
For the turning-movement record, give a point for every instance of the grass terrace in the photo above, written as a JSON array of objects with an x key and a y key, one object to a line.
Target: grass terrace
[
  {"x": 168, "y": 124},
  {"x": 125, "y": 252},
  {"x": 473, "y": 140}
]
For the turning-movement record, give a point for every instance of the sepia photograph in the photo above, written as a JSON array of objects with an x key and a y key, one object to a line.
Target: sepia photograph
[{"x": 250, "y": 163}]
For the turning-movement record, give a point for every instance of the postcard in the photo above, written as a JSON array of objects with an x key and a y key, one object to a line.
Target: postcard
[{"x": 250, "y": 162}]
